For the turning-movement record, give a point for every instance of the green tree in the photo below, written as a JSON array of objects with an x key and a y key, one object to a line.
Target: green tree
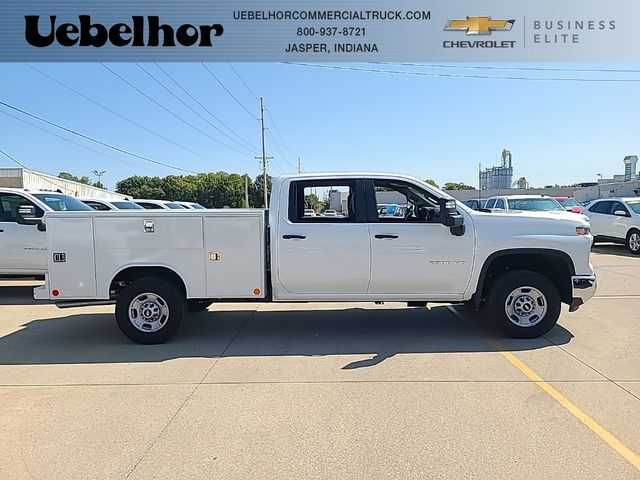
[
  {"x": 458, "y": 186},
  {"x": 73, "y": 178},
  {"x": 431, "y": 182}
]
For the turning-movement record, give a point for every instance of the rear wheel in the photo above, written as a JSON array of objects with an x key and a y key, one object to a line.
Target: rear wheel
[
  {"x": 633, "y": 241},
  {"x": 150, "y": 310},
  {"x": 524, "y": 304}
]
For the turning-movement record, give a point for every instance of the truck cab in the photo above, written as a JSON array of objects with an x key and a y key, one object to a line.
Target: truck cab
[{"x": 23, "y": 247}]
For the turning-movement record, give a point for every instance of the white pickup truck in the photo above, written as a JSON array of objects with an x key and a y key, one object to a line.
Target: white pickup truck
[
  {"x": 23, "y": 248},
  {"x": 156, "y": 266}
]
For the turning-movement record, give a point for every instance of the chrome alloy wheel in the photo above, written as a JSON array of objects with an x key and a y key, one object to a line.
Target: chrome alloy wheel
[
  {"x": 525, "y": 306},
  {"x": 634, "y": 242},
  {"x": 148, "y": 312}
]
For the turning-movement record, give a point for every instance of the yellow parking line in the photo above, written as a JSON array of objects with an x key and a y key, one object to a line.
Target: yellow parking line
[
  {"x": 624, "y": 451},
  {"x": 628, "y": 454}
]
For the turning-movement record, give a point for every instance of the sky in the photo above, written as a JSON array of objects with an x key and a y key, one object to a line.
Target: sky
[{"x": 334, "y": 119}]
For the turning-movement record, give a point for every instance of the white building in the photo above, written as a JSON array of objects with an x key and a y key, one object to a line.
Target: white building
[{"x": 29, "y": 179}]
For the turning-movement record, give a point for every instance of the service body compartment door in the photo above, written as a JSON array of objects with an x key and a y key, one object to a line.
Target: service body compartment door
[
  {"x": 71, "y": 258},
  {"x": 235, "y": 256}
]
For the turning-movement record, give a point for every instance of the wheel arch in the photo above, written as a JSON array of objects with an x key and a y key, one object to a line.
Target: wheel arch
[
  {"x": 556, "y": 265},
  {"x": 131, "y": 273}
]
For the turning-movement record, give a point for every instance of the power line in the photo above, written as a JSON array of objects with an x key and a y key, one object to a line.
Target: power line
[
  {"x": 164, "y": 108},
  {"x": 57, "y": 185},
  {"x": 33, "y": 125},
  {"x": 228, "y": 91},
  {"x": 278, "y": 131},
  {"x": 243, "y": 82},
  {"x": 119, "y": 115},
  {"x": 493, "y": 67},
  {"x": 206, "y": 110},
  {"x": 196, "y": 112},
  {"x": 99, "y": 142},
  {"x": 275, "y": 144},
  {"x": 457, "y": 75}
]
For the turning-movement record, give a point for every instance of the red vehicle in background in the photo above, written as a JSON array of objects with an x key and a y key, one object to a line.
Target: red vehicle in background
[{"x": 570, "y": 204}]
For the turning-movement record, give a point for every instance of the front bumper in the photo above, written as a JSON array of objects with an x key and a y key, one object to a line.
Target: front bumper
[{"x": 583, "y": 288}]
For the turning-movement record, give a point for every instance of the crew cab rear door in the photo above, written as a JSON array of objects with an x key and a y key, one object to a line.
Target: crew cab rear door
[{"x": 324, "y": 255}]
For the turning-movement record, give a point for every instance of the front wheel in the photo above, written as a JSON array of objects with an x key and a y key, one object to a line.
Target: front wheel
[
  {"x": 524, "y": 304},
  {"x": 150, "y": 310},
  {"x": 633, "y": 242}
]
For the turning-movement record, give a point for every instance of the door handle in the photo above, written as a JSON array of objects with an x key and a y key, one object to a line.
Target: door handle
[
  {"x": 294, "y": 237},
  {"x": 386, "y": 236},
  {"x": 1, "y": 230}
]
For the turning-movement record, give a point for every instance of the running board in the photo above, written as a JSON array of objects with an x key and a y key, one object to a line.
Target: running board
[{"x": 87, "y": 303}]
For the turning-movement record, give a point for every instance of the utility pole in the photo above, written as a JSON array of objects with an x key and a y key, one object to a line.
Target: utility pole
[
  {"x": 99, "y": 174},
  {"x": 264, "y": 157},
  {"x": 246, "y": 191},
  {"x": 299, "y": 166}
]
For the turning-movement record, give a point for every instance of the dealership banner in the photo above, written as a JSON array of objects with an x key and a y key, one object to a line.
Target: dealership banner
[{"x": 320, "y": 31}]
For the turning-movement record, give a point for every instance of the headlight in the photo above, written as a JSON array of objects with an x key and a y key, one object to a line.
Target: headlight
[{"x": 583, "y": 230}]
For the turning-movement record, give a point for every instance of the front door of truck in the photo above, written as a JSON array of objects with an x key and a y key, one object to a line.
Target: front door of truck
[
  {"x": 414, "y": 254},
  {"x": 323, "y": 239},
  {"x": 23, "y": 248}
]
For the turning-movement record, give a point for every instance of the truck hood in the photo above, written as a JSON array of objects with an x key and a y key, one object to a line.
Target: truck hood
[
  {"x": 530, "y": 223},
  {"x": 548, "y": 215}
]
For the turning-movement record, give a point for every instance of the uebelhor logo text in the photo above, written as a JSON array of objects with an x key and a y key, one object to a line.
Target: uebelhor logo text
[{"x": 120, "y": 34}]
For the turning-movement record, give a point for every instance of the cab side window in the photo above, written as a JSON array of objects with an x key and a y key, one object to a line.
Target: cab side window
[
  {"x": 500, "y": 204},
  {"x": 9, "y": 203},
  {"x": 322, "y": 201},
  {"x": 490, "y": 203},
  {"x": 398, "y": 201}
]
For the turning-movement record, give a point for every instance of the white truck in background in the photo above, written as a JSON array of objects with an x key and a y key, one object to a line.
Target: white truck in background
[
  {"x": 156, "y": 266},
  {"x": 23, "y": 248}
]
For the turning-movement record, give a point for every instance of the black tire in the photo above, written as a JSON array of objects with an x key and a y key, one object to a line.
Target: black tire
[
  {"x": 169, "y": 295},
  {"x": 198, "y": 305},
  {"x": 632, "y": 242},
  {"x": 503, "y": 296}
]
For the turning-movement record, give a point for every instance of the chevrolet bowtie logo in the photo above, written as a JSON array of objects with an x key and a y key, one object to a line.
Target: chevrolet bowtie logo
[{"x": 479, "y": 25}]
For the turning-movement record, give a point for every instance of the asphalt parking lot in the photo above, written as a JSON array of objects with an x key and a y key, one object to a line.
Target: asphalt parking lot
[{"x": 323, "y": 391}]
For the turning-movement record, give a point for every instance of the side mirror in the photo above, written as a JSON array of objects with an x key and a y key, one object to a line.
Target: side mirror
[
  {"x": 620, "y": 213},
  {"x": 450, "y": 217},
  {"x": 26, "y": 215}
]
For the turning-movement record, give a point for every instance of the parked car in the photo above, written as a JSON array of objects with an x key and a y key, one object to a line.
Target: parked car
[
  {"x": 570, "y": 204},
  {"x": 23, "y": 248},
  {"x": 159, "y": 204},
  {"x": 156, "y": 267},
  {"x": 529, "y": 203},
  {"x": 474, "y": 203},
  {"x": 191, "y": 205},
  {"x": 329, "y": 213},
  {"x": 104, "y": 204},
  {"x": 309, "y": 212},
  {"x": 616, "y": 220}
]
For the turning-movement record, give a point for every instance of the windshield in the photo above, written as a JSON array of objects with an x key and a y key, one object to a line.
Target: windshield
[
  {"x": 634, "y": 205},
  {"x": 569, "y": 202},
  {"x": 60, "y": 203},
  {"x": 175, "y": 206},
  {"x": 535, "y": 205},
  {"x": 127, "y": 206},
  {"x": 197, "y": 206}
]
